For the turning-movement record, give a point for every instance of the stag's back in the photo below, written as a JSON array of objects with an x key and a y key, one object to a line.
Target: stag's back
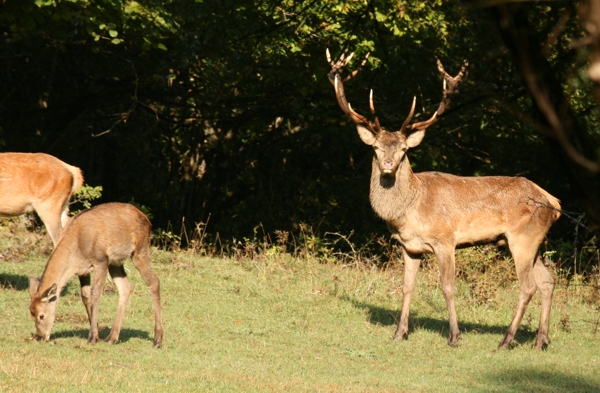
[{"x": 479, "y": 209}]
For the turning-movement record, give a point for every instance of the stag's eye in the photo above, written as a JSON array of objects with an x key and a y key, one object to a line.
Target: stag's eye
[{"x": 41, "y": 317}]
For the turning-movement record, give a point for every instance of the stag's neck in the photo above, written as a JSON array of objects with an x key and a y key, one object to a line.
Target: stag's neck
[{"x": 392, "y": 196}]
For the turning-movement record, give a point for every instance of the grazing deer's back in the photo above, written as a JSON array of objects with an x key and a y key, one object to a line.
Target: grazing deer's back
[{"x": 113, "y": 229}]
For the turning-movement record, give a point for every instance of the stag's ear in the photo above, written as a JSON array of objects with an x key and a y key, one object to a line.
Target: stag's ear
[
  {"x": 49, "y": 295},
  {"x": 366, "y": 135},
  {"x": 34, "y": 284},
  {"x": 415, "y": 138}
]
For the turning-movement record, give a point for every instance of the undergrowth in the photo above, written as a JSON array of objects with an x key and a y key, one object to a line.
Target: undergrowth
[{"x": 481, "y": 270}]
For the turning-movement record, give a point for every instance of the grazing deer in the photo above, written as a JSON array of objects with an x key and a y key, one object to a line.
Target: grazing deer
[
  {"x": 97, "y": 240},
  {"x": 433, "y": 212},
  {"x": 40, "y": 182}
]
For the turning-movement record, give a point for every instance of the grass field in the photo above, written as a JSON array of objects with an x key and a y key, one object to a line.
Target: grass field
[{"x": 282, "y": 324}]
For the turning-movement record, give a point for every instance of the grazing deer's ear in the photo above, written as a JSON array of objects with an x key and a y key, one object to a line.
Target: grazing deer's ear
[
  {"x": 415, "y": 138},
  {"x": 33, "y": 285},
  {"x": 366, "y": 135},
  {"x": 49, "y": 295}
]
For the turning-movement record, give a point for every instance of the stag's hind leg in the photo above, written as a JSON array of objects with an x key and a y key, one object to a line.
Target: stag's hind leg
[
  {"x": 117, "y": 272},
  {"x": 141, "y": 260},
  {"x": 524, "y": 251},
  {"x": 545, "y": 283},
  {"x": 447, "y": 267}
]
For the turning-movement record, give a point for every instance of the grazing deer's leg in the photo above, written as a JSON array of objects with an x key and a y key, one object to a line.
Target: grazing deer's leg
[
  {"x": 545, "y": 283},
  {"x": 86, "y": 293},
  {"x": 411, "y": 267},
  {"x": 117, "y": 272},
  {"x": 446, "y": 264},
  {"x": 100, "y": 272},
  {"x": 523, "y": 250},
  {"x": 141, "y": 260}
]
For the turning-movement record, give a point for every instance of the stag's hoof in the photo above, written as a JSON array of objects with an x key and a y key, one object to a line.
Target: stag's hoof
[
  {"x": 453, "y": 340},
  {"x": 541, "y": 343}
]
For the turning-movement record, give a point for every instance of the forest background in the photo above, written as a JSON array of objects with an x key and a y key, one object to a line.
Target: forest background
[{"x": 220, "y": 114}]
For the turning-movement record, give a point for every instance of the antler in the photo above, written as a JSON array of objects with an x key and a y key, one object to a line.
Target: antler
[
  {"x": 450, "y": 87},
  {"x": 338, "y": 83}
]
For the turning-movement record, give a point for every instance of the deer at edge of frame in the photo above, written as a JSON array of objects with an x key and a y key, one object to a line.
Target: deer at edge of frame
[
  {"x": 40, "y": 182},
  {"x": 433, "y": 212}
]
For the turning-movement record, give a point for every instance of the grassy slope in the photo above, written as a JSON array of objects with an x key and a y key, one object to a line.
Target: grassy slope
[{"x": 284, "y": 324}]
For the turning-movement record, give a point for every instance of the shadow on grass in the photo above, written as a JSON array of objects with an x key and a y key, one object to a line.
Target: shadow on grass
[
  {"x": 14, "y": 281},
  {"x": 21, "y": 283},
  {"x": 528, "y": 379},
  {"x": 124, "y": 336},
  {"x": 387, "y": 317}
]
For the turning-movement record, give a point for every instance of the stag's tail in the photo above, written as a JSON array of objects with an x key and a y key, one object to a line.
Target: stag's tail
[{"x": 553, "y": 202}]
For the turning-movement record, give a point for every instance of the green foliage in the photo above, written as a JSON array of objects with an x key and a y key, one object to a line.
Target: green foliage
[
  {"x": 85, "y": 195},
  {"x": 222, "y": 109}
]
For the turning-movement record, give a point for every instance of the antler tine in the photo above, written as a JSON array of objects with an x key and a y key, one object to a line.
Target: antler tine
[
  {"x": 345, "y": 105},
  {"x": 410, "y": 115},
  {"x": 353, "y": 73},
  {"x": 336, "y": 79},
  {"x": 372, "y": 105},
  {"x": 450, "y": 85}
]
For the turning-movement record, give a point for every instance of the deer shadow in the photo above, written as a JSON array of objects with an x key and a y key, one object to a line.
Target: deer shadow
[
  {"x": 21, "y": 283},
  {"x": 124, "y": 336},
  {"x": 520, "y": 378},
  {"x": 14, "y": 281},
  {"x": 388, "y": 317}
]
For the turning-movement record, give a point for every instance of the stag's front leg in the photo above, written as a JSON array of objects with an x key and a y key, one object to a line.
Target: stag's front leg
[
  {"x": 411, "y": 267},
  {"x": 446, "y": 264}
]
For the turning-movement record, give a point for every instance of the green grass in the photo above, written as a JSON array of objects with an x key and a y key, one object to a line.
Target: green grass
[{"x": 282, "y": 324}]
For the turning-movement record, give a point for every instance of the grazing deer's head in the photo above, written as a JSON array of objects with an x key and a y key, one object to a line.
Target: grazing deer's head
[
  {"x": 42, "y": 308},
  {"x": 390, "y": 147}
]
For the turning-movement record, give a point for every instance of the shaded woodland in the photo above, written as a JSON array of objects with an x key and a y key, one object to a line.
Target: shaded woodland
[{"x": 221, "y": 112}]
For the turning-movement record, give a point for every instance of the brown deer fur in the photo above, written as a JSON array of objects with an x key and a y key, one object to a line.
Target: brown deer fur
[
  {"x": 97, "y": 240},
  {"x": 40, "y": 182},
  {"x": 433, "y": 212}
]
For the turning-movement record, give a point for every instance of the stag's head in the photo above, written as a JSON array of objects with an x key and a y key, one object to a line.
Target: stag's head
[
  {"x": 42, "y": 308},
  {"x": 390, "y": 147}
]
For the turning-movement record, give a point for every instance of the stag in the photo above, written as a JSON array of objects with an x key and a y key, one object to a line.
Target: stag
[
  {"x": 40, "y": 182},
  {"x": 433, "y": 212},
  {"x": 97, "y": 240}
]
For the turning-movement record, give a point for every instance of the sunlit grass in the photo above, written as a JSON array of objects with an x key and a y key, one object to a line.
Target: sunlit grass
[{"x": 283, "y": 324}]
